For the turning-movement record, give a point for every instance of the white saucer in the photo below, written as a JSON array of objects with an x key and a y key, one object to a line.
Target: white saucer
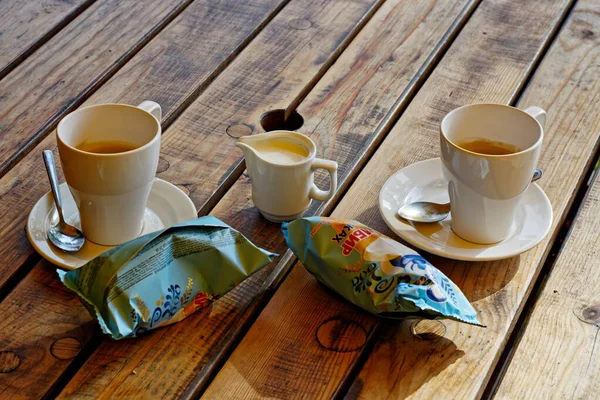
[
  {"x": 424, "y": 181},
  {"x": 167, "y": 205}
]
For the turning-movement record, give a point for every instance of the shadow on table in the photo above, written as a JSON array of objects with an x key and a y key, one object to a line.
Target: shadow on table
[{"x": 393, "y": 359}]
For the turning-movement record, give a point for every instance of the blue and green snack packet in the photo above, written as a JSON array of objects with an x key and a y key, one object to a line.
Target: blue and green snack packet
[
  {"x": 375, "y": 272},
  {"x": 163, "y": 277}
]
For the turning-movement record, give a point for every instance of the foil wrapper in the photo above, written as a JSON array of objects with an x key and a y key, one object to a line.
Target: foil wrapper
[
  {"x": 163, "y": 277},
  {"x": 374, "y": 272}
]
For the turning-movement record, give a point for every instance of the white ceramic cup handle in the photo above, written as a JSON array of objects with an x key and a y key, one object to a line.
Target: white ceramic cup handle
[
  {"x": 537, "y": 113},
  {"x": 152, "y": 107},
  {"x": 331, "y": 167}
]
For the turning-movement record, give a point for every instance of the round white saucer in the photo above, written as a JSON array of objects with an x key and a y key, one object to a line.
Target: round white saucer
[
  {"x": 167, "y": 205},
  {"x": 424, "y": 181}
]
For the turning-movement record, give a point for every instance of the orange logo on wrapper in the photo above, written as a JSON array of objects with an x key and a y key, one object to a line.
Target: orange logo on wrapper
[
  {"x": 349, "y": 236},
  {"x": 354, "y": 237}
]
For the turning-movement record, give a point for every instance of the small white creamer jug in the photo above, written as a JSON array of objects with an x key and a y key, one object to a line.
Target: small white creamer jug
[{"x": 281, "y": 165}]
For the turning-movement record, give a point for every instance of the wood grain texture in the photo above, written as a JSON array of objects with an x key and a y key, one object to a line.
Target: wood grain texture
[
  {"x": 557, "y": 355},
  {"x": 178, "y": 63},
  {"x": 27, "y": 25},
  {"x": 489, "y": 61},
  {"x": 209, "y": 334},
  {"x": 187, "y": 56},
  {"x": 197, "y": 144},
  {"x": 60, "y": 75},
  {"x": 186, "y": 364},
  {"x": 283, "y": 59},
  {"x": 565, "y": 85},
  {"x": 29, "y": 339}
]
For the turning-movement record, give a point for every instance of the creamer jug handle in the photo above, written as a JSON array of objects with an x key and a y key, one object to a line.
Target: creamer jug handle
[{"x": 331, "y": 167}]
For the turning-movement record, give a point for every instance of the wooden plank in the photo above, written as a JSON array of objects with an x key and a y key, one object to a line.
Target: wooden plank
[
  {"x": 564, "y": 84},
  {"x": 36, "y": 352},
  {"x": 186, "y": 59},
  {"x": 172, "y": 69},
  {"x": 210, "y": 334},
  {"x": 25, "y": 182},
  {"x": 199, "y": 137},
  {"x": 202, "y": 156},
  {"x": 68, "y": 68},
  {"x": 489, "y": 61},
  {"x": 27, "y": 25},
  {"x": 556, "y": 354}
]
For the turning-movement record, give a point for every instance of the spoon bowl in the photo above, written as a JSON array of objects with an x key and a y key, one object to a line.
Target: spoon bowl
[
  {"x": 66, "y": 237},
  {"x": 424, "y": 211}
]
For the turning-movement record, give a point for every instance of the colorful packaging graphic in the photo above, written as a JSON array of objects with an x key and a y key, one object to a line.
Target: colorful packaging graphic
[
  {"x": 375, "y": 272},
  {"x": 163, "y": 277}
]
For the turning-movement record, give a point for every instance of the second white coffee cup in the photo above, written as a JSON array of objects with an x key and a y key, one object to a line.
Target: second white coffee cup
[
  {"x": 111, "y": 190},
  {"x": 485, "y": 190}
]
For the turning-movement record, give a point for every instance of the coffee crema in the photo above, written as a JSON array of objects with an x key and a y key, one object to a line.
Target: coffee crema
[
  {"x": 106, "y": 147},
  {"x": 281, "y": 152},
  {"x": 491, "y": 147}
]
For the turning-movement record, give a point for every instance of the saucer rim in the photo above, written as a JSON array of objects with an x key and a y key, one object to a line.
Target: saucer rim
[
  {"x": 57, "y": 262},
  {"x": 452, "y": 255}
]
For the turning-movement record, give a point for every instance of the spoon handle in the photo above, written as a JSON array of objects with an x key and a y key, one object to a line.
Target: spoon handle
[{"x": 53, "y": 177}]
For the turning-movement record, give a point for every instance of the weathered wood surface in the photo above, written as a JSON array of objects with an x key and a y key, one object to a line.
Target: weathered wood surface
[
  {"x": 61, "y": 74},
  {"x": 557, "y": 354},
  {"x": 25, "y": 26},
  {"x": 490, "y": 61},
  {"x": 565, "y": 84},
  {"x": 211, "y": 332},
  {"x": 33, "y": 355},
  {"x": 29, "y": 169},
  {"x": 295, "y": 49},
  {"x": 178, "y": 63},
  {"x": 25, "y": 183},
  {"x": 200, "y": 133}
]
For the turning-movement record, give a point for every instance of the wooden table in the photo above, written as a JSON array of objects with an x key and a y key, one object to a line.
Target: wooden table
[{"x": 371, "y": 80}]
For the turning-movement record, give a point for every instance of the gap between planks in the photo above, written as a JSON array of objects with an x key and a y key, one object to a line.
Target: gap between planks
[
  {"x": 553, "y": 251},
  {"x": 239, "y": 168},
  {"x": 311, "y": 84},
  {"x": 91, "y": 88},
  {"x": 512, "y": 343},
  {"x": 11, "y": 65},
  {"x": 495, "y": 378},
  {"x": 168, "y": 119},
  {"x": 528, "y": 68},
  {"x": 288, "y": 260},
  {"x": 458, "y": 10},
  {"x": 354, "y": 28}
]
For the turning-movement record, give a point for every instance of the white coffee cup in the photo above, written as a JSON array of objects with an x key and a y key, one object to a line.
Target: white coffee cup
[
  {"x": 282, "y": 190},
  {"x": 111, "y": 190},
  {"x": 485, "y": 190}
]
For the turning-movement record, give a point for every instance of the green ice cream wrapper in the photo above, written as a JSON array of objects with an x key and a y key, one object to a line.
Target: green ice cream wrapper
[
  {"x": 163, "y": 277},
  {"x": 374, "y": 272}
]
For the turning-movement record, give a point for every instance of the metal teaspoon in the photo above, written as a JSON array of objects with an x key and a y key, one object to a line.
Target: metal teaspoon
[
  {"x": 427, "y": 212},
  {"x": 64, "y": 236}
]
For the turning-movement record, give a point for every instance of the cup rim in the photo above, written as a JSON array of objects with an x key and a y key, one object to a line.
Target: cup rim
[
  {"x": 88, "y": 153},
  {"x": 527, "y": 150}
]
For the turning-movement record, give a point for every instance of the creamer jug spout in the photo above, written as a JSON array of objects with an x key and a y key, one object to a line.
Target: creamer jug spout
[
  {"x": 250, "y": 147},
  {"x": 248, "y": 144}
]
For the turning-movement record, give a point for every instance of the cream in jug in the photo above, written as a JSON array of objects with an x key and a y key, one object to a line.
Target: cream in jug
[{"x": 281, "y": 166}]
